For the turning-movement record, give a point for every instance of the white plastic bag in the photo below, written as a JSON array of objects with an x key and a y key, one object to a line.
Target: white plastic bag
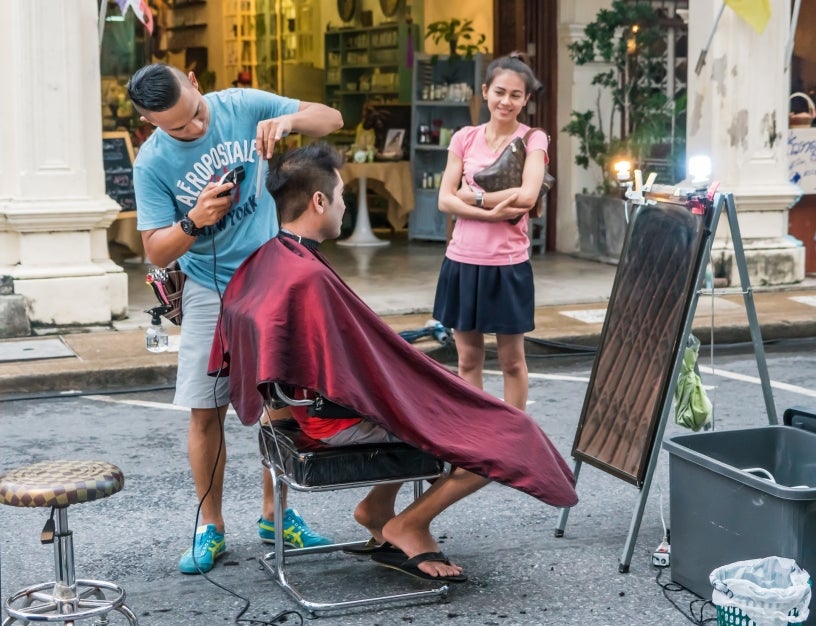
[{"x": 766, "y": 590}]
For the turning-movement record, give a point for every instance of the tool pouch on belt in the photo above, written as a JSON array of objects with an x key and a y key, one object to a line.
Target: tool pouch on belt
[{"x": 168, "y": 286}]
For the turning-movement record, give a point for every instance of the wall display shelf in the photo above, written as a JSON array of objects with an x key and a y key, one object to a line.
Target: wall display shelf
[
  {"x": 368, "y": 64},
  {"x": 186, "y": 26},
  {"x": 288, "y": 35},
  {"x": 240, "y": 50},
  {"x": 446, "y": 96}
]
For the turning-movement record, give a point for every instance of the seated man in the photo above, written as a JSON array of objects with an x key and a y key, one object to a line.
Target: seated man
[
  {"x": 410, "y": 530},
  {"x": 301, "y": 326}
]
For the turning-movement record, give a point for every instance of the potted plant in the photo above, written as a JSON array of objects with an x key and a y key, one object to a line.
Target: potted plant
[
  {"x": 460, "y": 35},
  {"x": 634, "y": 119}
]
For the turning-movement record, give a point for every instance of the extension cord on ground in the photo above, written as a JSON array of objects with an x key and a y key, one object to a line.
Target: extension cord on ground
[{"x": 661, "y": 557}]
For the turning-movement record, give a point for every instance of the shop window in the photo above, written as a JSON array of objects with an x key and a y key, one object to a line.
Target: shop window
[{"x": 123, "y": 51}]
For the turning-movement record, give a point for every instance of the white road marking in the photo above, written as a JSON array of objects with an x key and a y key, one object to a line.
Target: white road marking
[
  {"x": 754, "y": 380},
  {"x": 588, "y": 316},
  {"x": 147, "y": 404},
  {"x": 533, "y": 375},
  {"x": 811, "y": 393},
  {"x": 809, "y": 300}
]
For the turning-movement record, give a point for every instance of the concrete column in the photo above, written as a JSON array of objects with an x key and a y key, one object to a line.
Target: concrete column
[
  {"x": 738, "y": 114},
  {"x": 53, "y": 207},
  {"x": 575, "y": 92}
]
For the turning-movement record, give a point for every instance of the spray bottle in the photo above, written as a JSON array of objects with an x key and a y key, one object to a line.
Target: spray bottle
[{"x": 156, "y": 338}]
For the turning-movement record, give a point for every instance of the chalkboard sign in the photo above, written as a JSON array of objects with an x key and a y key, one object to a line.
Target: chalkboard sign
[{"x": 117, "y": 158}]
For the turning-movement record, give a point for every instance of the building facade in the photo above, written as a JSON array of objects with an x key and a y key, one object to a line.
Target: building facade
[{"x": 54, "y": 213}]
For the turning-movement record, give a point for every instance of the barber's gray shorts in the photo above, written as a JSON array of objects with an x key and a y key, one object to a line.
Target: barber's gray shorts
[{"x": 194, "y": 388}]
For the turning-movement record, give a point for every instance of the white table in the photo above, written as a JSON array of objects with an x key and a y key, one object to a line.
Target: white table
[{"x": 389, "y": 178}]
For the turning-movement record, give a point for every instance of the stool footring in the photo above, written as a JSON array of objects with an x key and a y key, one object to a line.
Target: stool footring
[{"x": 55, "y": 602}]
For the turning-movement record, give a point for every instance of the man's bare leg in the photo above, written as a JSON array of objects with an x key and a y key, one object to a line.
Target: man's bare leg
[
  {"x": 377, "y": 508},
  {"x": 269, "y": 496},
  {"x": 410, "y": 530},
  {"x": 204, "y": 438}
]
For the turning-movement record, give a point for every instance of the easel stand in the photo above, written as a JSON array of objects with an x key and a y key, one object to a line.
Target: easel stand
[{"x": 720, "y": 201}]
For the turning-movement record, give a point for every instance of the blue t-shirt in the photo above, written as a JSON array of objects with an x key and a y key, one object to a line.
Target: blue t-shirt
[{"x": 168, "y": 176}]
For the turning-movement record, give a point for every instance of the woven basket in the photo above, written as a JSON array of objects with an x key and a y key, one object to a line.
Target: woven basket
[{"x": 805, "y": 119}]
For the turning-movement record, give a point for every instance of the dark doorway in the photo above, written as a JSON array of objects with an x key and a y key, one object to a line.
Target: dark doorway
[{"x": 531, "y": 26}]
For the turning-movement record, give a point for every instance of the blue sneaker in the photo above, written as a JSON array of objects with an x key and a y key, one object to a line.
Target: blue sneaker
[
  {"x": 296, "y": 534},
  {"x": 209, "y": 545}
]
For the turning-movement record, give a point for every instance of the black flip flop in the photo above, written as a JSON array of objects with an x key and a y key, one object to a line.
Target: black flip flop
[
  {"x": 372, "y": 547},
  {"x": 411, "y": 566}
]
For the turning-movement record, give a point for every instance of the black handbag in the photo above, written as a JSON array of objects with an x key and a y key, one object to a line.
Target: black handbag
[
  {"x": 168, "y": 286},
  {"x": 507, "y": 170}
]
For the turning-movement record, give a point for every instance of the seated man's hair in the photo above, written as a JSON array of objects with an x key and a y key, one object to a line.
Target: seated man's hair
[
  {"x": 296, "y": 175},
  {"x": 155, "y": 87}
]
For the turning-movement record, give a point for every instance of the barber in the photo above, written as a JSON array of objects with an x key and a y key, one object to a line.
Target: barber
[{"x": 211, "y": 228}]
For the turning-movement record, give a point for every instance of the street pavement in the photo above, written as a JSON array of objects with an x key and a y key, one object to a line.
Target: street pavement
[
  {"x": 520, "y": 573},
  {"x": 104, "y": 359}
]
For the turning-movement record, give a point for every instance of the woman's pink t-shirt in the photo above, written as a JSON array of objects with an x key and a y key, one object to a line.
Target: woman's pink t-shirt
[{"x": 488, "y": 243}]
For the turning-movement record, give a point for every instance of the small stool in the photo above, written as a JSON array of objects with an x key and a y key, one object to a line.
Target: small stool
[{"x": 58, "y": 484}]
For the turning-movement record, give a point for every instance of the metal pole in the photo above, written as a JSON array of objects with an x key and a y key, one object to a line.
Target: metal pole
[
  {"x": 750, "y": 309},
  {"x": 279, "y": 46},
  {"x": 103, "y": 14},
  {"x": 564, "y": 511},
  {"x": 792, "y": 33},
  {"x": 701, "y": 60},
  {"x": 637, "y": 514}
]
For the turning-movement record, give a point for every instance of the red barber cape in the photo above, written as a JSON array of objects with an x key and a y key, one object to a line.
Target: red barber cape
[{"x": 289, "y": 318}]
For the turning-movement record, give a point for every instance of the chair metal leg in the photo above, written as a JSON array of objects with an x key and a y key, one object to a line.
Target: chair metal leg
[{"x": 275, "y": 564}]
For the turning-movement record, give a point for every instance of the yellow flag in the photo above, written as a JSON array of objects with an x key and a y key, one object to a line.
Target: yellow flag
[{"x": 755, "y": 12}]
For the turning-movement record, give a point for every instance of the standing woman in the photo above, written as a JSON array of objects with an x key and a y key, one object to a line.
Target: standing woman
[{"x": 486, "y": 281}]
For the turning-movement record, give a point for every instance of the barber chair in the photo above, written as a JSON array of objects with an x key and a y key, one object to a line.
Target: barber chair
[{"x": 307, "y": 465}]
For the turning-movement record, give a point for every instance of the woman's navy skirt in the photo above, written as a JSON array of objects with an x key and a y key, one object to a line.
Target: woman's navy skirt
[{"x": 486, "y": 298}]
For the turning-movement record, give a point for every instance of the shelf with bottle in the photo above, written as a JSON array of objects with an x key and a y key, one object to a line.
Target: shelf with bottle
[
  {"x": 186, "y": 27},
  {"x": 366, "y": 63},
  {"x": 443, "y": 101},
  {"x": 240, "y": 45}
]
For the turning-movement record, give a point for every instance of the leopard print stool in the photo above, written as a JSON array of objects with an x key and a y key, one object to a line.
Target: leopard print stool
[{"x": 58, "y": 484}]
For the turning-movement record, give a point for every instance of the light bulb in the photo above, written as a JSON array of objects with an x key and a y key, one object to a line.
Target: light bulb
[
  {"x": 699, "y": 168},
  {"x": 623, "y": 170}
]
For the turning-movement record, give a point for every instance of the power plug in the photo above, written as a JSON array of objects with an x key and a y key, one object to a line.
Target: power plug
[{"x": 661, "y": 557}]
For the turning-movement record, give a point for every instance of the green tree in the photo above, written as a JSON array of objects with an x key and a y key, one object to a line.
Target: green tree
[{"x": 631, "y": 37}]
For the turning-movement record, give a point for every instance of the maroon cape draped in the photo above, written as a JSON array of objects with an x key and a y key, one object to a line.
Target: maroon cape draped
[{"x": 289, "y": 318}]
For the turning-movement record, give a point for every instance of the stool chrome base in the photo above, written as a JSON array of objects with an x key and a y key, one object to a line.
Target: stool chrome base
[
  {"x": 57, "y": 602},
  {"x": 58, "y": 484}
]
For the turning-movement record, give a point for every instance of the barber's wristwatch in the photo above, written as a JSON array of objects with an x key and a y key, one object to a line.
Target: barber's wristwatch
[
  {"x": 189, "y": 227},
  {"x": 480, "y": 199}
]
